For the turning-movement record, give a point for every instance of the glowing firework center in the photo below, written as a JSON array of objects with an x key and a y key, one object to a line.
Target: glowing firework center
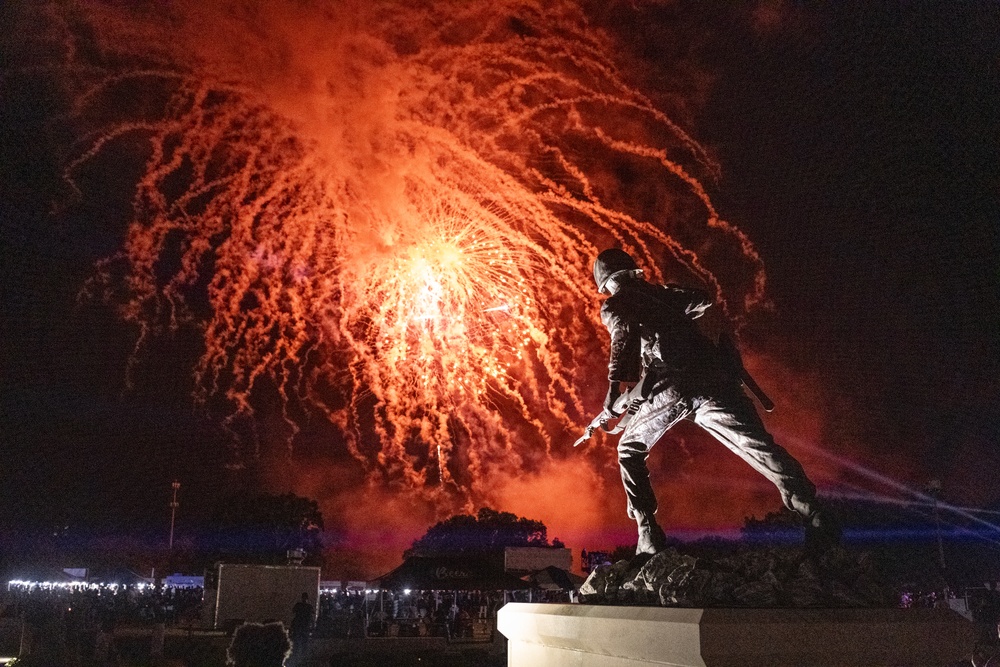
[
  {"x": 433, "y": 309},
  {"x": 453, "y": 332}
]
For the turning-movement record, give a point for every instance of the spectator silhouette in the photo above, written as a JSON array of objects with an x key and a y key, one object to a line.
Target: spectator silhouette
[{"x": 302, "y": 617}]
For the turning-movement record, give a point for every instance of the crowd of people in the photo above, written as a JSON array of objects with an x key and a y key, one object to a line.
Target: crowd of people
[
  {"x": 80, "y": 621},
  {"x": 406, "y": 613},
  {"x": 76, "y": 623},
  {"x": 106, "y": 603},
  {"x": 341, "y": 613}
]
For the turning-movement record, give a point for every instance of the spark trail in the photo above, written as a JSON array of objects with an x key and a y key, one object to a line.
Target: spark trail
[{"x": 388, "y": 212}]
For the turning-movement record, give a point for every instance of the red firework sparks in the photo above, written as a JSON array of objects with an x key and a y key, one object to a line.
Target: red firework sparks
[{"x": 389, "y": 214}]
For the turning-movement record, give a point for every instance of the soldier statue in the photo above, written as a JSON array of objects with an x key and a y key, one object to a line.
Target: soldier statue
[{"x": 659, "y": 353}]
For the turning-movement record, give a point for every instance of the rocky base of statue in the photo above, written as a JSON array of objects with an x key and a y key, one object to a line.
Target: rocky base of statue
[{"x": 758, "y": 578}]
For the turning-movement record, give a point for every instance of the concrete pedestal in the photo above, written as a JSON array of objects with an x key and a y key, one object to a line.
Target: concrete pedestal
[{"x": 564, "y": 635}]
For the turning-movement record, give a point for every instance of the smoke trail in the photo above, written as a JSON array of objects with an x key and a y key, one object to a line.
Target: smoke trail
[{"x": 387, "y": 214}]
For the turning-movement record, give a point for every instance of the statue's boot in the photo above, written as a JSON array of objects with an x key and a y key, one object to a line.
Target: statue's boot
[
  {"x": 823, "y": 531},
  {"x": 651, "y": 536}
]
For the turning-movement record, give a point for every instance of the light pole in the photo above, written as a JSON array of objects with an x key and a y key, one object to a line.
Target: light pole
[{"x": 173, "y": 511}]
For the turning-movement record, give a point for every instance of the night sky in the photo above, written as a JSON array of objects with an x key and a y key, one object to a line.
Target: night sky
[{"x": 859, "y": 144}]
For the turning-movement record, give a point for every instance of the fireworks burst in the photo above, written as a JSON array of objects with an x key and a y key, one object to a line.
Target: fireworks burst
[{"x": 389, "y": 213}]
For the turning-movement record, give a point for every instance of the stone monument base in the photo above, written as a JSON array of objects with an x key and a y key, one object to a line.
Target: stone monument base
[{"x": 564, "y": 635}]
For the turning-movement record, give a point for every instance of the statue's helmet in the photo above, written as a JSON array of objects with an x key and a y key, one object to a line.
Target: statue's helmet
[{"x": 610, "y": 262}]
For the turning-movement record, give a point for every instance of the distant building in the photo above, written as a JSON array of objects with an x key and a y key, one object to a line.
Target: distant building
[
  {"x": 184, "y": 581},
  {"x": 525, "y": 560}
]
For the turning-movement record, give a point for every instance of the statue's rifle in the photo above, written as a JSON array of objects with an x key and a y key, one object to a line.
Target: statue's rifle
[
  {"x": 731, "y": 354},
  {"x": 628, "y": 403},
  {"x": 623, "y": 410}
]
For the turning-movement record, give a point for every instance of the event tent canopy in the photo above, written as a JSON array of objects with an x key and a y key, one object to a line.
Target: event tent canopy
[
  {"x": 450, "y": 573},
  {"x": 553, "y": 578}
]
